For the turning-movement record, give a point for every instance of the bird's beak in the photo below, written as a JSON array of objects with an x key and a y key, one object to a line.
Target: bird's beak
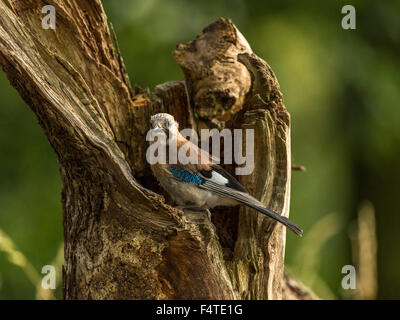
[{"x": 157, "y": 128}]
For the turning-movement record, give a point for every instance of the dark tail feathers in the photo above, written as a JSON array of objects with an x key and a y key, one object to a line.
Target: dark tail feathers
[{"x": 285, "y": 221}]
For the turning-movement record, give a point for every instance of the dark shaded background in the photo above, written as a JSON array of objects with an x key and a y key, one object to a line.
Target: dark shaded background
[{"x": 340, "y": 86}]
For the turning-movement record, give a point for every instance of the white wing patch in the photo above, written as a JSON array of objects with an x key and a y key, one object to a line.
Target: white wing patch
[{"x": 218, "y": 178}]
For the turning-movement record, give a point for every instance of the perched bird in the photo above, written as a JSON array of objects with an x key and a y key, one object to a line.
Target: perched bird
[{"x": 203, "y": 185}]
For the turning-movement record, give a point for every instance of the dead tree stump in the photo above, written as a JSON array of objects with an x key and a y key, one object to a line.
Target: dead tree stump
[{"x": 122, "y": 240}]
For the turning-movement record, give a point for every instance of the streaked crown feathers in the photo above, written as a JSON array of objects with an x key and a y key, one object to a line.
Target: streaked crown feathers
[{"x": 164, "y": 120}]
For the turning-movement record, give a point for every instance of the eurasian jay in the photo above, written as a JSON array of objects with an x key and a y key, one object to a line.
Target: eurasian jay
[{"x": 205, "y": 184}]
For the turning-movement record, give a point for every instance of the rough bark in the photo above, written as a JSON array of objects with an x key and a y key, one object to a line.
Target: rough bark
[{"x": 122, "y": 238}]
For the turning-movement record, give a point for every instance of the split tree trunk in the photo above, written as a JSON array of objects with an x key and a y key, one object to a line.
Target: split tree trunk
[{"x": 122, "y": 238}]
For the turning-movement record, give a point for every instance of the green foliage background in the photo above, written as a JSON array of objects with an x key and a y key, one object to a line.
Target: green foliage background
[{"x": 340, "y": 86}]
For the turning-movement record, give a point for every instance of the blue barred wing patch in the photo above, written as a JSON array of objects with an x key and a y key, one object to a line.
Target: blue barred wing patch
[{"x": 186, "y": 176}]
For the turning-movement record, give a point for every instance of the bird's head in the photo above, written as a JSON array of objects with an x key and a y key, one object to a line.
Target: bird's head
[{"x": 164, "y": 123}]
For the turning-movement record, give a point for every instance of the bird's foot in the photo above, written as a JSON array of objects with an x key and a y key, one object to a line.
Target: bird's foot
[{"x": 193, "y": 208}]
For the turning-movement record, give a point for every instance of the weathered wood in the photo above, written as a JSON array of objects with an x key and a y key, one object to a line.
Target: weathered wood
[
  {"x": 217, "y": 82},
  {"x": 294, "y": 290},
  {"x": 265, "y": 244},
  {"x": 122, "y": 241}
]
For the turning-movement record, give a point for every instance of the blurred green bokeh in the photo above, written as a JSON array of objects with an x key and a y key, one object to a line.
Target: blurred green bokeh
[{"x": 340, "y": 86}]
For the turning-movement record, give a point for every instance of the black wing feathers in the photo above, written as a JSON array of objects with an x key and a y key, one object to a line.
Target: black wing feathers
[
  {"x": 232, "y": 182},
  {"x": 233, "y": 189}
]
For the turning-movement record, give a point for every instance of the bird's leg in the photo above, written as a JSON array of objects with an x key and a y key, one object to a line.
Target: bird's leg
[
  {"x": 191, "y": 207},
  {"x": 194, "y": 208},
  {"x": 180, "y": 207}
]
